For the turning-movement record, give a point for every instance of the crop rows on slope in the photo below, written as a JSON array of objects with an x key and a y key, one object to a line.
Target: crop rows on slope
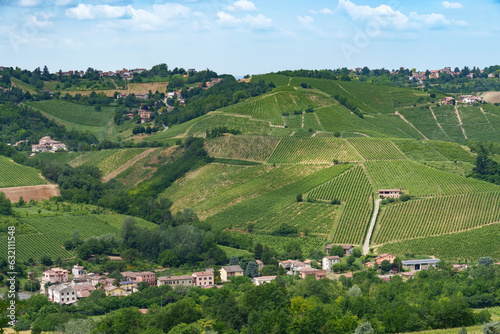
[
  {"x": 312, "y": 150},
  {"x": 34, "y": 246},
  {"x": 418, "y": 150},
  {"x": 376, "y": 149},
  {"x": 255, "y": 148},
  {"x": 469, "y": 245},
  {"x": 420, "y": 180},
  {"x": 452, "y": 151},
  {"x": 279, "y": 243},
  {"x": 14, "y": 175},
  {"x": 245, "y": 125},
  {"x": 354, "y": 190},
  {"x": 434, "y": 216},
  {"x": 306, "y": 217},
  {"x": 277, "y": 79},
  {"x": 422, "y": 119}
]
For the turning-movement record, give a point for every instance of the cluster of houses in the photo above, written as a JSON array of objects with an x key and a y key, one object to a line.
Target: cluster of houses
[
  {"x": 465, "y": 99},
  {"x": 47, "y": 144}
]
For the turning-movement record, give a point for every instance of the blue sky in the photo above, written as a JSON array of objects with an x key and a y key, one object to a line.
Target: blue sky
[{"x": 248, "y": 37}]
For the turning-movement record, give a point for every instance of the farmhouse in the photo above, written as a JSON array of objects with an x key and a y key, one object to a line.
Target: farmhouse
[
  {"x": 381, "y": 258},
  {"x": 389, "y": 193},
  {"x": 47, "y": 144},
  {"x": 186, "y": 280},
  {"x": 292, "y": 266},
  {"x": 203, "y": 278},
  {"x": 115, "y": 291},
  {"x": 55, "y": 275},
  {"x": 62, "y": 294},
  {"x": 227, "y": 272},
  {"x": 346, "y": 248},
  {"x": 77, "y": 270},
  {"x": 448, "y": 101},
  {"x": 145, "y": 276},
  {"x": 329, "y": 261},
  {"x": 417, "y": 265},
  {"x": 469, "y": 99},
  {"x": 145, "y": 116}
]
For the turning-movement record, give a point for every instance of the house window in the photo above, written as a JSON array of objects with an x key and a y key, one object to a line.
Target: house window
[{"x": 62, "y": 299}]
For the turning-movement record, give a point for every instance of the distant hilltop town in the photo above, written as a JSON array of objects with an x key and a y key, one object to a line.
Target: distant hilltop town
[{"x": 47, "y": 144}]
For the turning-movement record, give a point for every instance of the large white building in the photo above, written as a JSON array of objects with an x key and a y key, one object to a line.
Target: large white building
[
  {"x": 329, "y": 261},
  {"x": 62, "y": 294}
]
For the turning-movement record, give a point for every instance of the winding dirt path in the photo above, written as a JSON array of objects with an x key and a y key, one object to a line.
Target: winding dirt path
[
  {"x": 366, "y": 245},
  {"x": 410, "y": 124},
  {"x": 460, "y": 122},
  {"x": 126, "y": 165}
]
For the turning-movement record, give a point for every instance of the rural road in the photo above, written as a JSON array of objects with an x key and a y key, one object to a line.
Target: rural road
[{"x": 366, "y": 246}]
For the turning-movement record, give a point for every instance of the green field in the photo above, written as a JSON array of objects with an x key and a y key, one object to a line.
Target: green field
[
  {"x": 53, "y": 231},
  {"x": 420, "y": 180},
  {"x": 470, "y": 245},
  {"x": 312, "y": 151},
  {"x": 376, "y": 149},
  {"x": 106, "y": 160},
  {"x": 418, "y": 150},
  {"x": 435, "y": 216},
  {"x": 254, "y": 148},
  {"x": 77, "y": 116},
  {"x": 15, "y": 175}
]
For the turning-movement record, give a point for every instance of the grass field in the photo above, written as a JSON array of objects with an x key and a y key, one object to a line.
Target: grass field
[
  {"x": 420, "y": 180},
  {"x": 53, "y": 231},
  {"x": 254, "y": 148},
  {"x": 470, "y": 245},
  {"x": 435, "y": 216},
  {"x": 15, "y": 175},
  {"x": 312, "y": 151}
]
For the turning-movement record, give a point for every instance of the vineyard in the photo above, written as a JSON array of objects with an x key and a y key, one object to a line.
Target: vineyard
[
  {"x": 418, "y": 150},
  {"x": 249, "y": 210},
  {"x": 15, "y": 175},
  {"x": 53, "y": 231},
  {"x": 452, "y": 151},
  {"x": 279, "y": 243},
  {"x": 215, "y": 187},
  {"x": 312, "y": 151},
  {"x": 376, "y": 149},
  {"x": 354, "y": 191},
  {"x": 277, "y": 79},
  {"x": 245, "y": 125},
  {"x": 315, "y": 218},
  {"x": 420, "y": 180},
  {"x": 422, "y": 119},
  {"x": 254, "y": 148},
  {"x": 434, "y": 216},
  {"x": 470, "y": 245},
  {"x": 106, "y": 160}
]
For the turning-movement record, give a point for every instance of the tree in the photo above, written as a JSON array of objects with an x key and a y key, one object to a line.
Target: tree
[
  {"x": 252, "y": 269},
  {"x": 357, "y": 252},
  {"x": 234, "y": 261},
  {"x": 463, "y": 330},
  {"x": 269, "y": 271},
  {"x": 350, "y": 260},
  {"x": 385, "y": 266},
  {"x": 364, "y": 328},
  {"x": 168, "y": 258},
  {"x": 491, "y": 328},
  {"x": 5, "y": 205},
  {"x": 299, "y": 198},
  {"x": 485, "y": 261},
  {"x": 46, "y": 260},
  {"x": 404, "y": 198},
  {"x": 257, "y": 252},
  {"x": 336, "y": 250},
  {"x": 355, "y": 291},
  {"x": 21, "y": 202}
]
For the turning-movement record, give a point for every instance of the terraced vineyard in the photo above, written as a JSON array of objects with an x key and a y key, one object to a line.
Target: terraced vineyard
[
  {"x": 53, "y": 231},
  {"x": 354, "y": 191},
  {"x": 419, "y": 180},
  {"x": 376, "y": 149},
  {"x": 434, "y": 216},
  {"x": 15, "y": 175},
  {"x": 254, "y": 148},
  {"x": 312, "y": 151},
  {"x": 470, "y": 245}
]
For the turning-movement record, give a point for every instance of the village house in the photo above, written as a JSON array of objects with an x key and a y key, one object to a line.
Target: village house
[
  {"x": 47, "y": 144},
  {"x": 317, "y": 273},
  {"x": 469, "y": 99},
  {"x": 83, "y": 290},
  {"x": 138, "y": 277},
  {"x": 380, "y": 258},
  {"x": 186, "y": 280},
  {"x": 55, "y": 275},
  {"x": 145, "y": 116},
  {"x": 329, "y": 261},
  {"x": 448, "y": 101},
  {"x": 227, "y": 272},
  {"x": 389, "y": 193},
  {"x": 348, "y": 249},
  {"x": 77, "y": 270},
  {"x": 416, "y": 265},
  {"x": 263, "y": 279},
  {"x": 115, "y": 291},
  {"x": 203, "y": 278},
  {"x": 142, "y": 96},
  {"x": 491, "y": 75},
  {"x": 293, "y": 266},
  {"x": 62, "y": 294},
  {"x": 260, "y": 264}
]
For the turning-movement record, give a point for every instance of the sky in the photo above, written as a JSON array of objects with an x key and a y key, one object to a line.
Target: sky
[{"x": 248, "y": 37}]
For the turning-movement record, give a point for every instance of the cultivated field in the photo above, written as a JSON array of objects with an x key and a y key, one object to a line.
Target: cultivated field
[
  {"x": 15, "y": 175},
  {"x": 253, "y": 148}
]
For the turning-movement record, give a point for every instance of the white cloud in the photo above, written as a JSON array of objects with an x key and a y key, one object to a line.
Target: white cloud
[
  {"x": 321, "y": 11},
  {"x": 93, "y": 12},
  {"x": 64, "y": 3},
  {"x": 159, "y": 17},
  {"x": 306, "y": 21},
  {"x": 257, "y": 22},
  {"x": 452, "y": 5},
  {"x": 29, "y": 3},
  {"x": 242, "y": 6},
  {"x": 386, "y": 16},
  {"x": 39, "y": 22}
]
